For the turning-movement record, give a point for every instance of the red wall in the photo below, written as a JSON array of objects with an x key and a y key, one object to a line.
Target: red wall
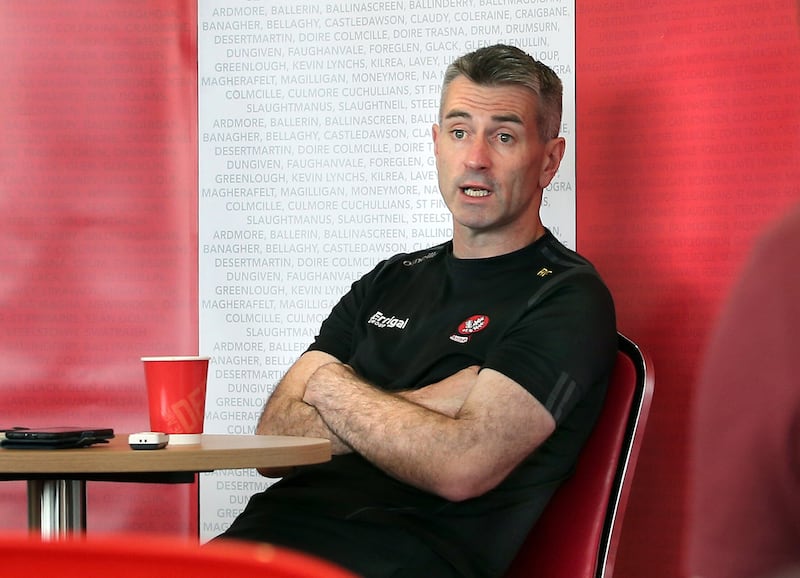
[
  {"x": 688, "y": 143},
  {"x": 687, "y": 137},
  {"x": 98, "y": 257}
]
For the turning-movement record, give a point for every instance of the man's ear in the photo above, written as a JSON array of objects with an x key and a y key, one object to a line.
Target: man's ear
[
  {"x": 553, "y": 153},
  {"x": 435, "y": 135}
]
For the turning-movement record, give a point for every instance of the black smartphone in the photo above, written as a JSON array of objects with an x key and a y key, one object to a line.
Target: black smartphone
[{"x": 55, "y": 437}]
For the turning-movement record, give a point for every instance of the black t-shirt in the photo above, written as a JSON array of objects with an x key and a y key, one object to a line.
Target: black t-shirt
[{"x": 541, "y": 316}]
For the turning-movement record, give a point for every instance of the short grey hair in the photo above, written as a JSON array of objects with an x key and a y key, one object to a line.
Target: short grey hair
[{"x": 503, "y": 65}]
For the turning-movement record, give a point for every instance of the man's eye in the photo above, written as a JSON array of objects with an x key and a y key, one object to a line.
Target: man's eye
[
  {"x": 504, "y": 137},
  {"x": 459, "y": 133}
]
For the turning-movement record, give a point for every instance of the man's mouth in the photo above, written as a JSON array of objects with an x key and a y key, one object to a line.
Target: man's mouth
[{"x": 475, "y": 192}]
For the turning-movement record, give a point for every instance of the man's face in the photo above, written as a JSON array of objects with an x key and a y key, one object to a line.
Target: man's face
[{"x": 492, "y": 165}]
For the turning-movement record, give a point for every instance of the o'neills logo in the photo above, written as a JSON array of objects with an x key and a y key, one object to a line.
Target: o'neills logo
[
  {"x": 380, "y": 320},
  {"x": 470, "y": 326}
]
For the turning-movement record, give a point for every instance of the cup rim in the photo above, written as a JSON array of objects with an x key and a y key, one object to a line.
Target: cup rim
[{"x": 176, "y": 358}]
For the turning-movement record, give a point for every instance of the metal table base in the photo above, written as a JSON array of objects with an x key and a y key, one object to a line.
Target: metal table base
[{"x": 57, "y": 507}]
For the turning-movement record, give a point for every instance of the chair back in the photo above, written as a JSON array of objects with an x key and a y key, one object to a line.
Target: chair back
[
  {"x": 137, "y": 556},
  {"x": 578, "y": 534}
]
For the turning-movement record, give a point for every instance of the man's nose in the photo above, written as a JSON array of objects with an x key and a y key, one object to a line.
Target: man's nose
[{"x": 478, "y": 156}]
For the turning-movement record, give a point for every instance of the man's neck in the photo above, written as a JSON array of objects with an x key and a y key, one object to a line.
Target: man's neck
[{"x": 485, "y": 245}]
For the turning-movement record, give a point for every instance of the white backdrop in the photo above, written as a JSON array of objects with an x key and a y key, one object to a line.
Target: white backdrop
[{"x": 316, "y": 162}]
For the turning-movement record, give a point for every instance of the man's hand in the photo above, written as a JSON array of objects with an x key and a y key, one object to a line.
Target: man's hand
[
  {"x": 326, "y": 381},
  {"x": 287, "y": 414}
]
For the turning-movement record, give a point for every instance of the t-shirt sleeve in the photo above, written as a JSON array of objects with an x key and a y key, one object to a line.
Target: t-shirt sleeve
[{"x": 564, "y": 343}]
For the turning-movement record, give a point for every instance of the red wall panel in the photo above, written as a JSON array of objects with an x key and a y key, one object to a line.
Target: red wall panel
[
  {"x": 97, "y": 227},
  {"x": 688, "y": 143}
]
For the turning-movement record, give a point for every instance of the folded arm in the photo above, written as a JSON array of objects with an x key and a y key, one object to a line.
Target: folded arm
[
  {"x": 417, "y": 438},
  {"x": 287, "y": 414}
]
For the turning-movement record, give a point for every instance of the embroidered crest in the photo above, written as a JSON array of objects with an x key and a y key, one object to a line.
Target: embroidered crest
[{"x": 469, "y": 327}]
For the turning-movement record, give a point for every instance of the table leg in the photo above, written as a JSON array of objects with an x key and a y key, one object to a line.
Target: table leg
[{"x": 56, "y": 508}]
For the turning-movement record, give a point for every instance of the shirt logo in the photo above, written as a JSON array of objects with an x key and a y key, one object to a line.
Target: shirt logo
[
  {"x": 469, "y": 327},
  {"x": 382, "y": 321},
  {"x": 418, "y": 260}
]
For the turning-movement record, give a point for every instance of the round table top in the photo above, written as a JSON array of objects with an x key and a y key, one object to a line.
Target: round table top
[{"x": 214, "y": 452}]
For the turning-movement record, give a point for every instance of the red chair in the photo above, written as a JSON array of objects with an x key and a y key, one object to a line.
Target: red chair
[
  {"x": 136, "y": 556},
  {"x": 578, "y": 534}
]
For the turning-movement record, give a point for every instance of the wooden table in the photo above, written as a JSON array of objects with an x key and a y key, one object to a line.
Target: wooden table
[{"x": 57, "y": 478}]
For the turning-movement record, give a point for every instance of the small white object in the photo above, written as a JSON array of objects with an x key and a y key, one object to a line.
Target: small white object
[{"x": 148, "y": 440}]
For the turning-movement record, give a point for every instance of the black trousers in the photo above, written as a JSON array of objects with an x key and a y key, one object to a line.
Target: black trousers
[{"x": 372, "y": 549}]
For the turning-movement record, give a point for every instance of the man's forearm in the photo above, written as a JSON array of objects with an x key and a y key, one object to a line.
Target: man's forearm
[{"x": 446, "y": 396}]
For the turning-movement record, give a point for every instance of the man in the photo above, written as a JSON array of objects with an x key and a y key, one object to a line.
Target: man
[
  {"x": 456, "y": 384},
  {"x": 746, "y": 466}
]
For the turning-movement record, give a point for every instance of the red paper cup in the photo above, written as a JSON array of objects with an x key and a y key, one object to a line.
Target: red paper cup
[{"x": 176, "y": 394}]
